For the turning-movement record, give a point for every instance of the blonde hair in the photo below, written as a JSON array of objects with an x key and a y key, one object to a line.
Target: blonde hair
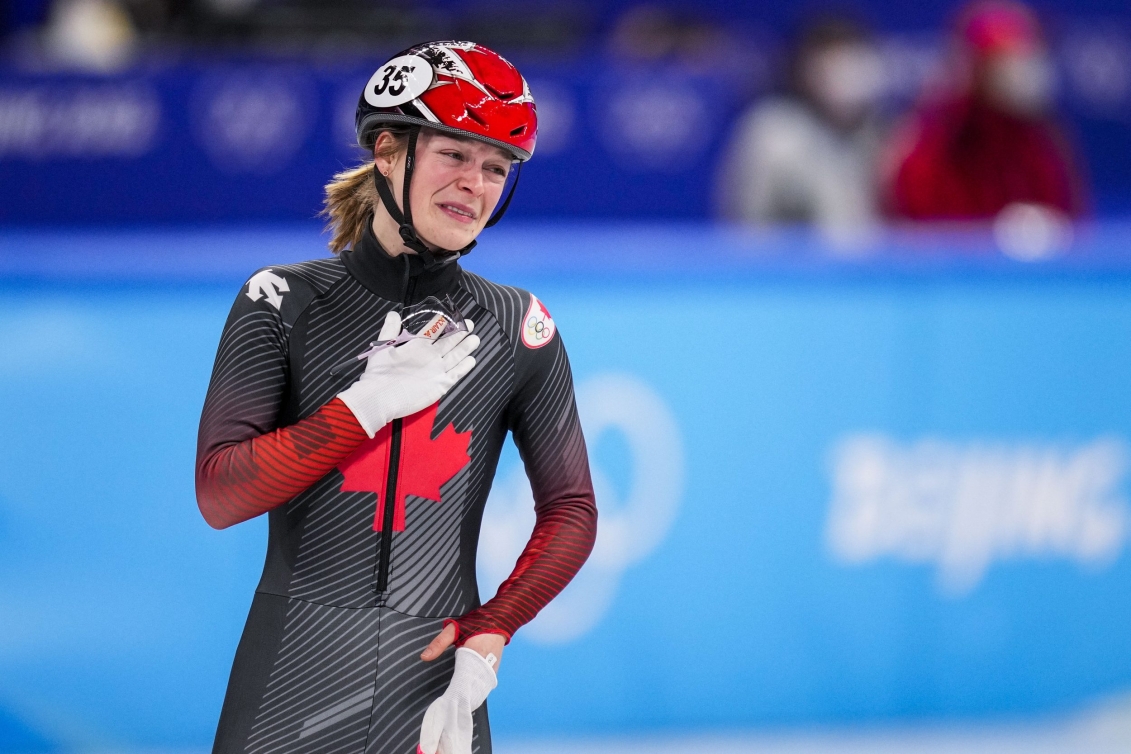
[{"x": 351, "y": 197}]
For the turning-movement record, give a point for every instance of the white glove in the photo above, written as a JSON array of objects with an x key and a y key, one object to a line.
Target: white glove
[
  {"x": 447, "y": 726},
  {"x": 400, "y": 381}
]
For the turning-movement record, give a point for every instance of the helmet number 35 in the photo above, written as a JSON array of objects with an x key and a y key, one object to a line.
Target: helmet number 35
[{"x": 401, "y": 80}]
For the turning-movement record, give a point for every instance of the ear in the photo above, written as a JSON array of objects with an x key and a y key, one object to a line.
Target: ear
[{"x": 386, "y": 162}]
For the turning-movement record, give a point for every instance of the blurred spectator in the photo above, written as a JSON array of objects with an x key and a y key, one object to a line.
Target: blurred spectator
[
  {"x": 809, "y": 155},
  {"x": 89, "y": 34},
  {"x": 990, "y": 142}
]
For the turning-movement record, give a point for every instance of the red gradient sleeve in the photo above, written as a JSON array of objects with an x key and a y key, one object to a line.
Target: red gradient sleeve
[
  {"x": 549, "y": 438},
  {"x": 246, "y": 464},
  {"x": 240, "y": 480},
  {"x": 558, "y": 547}
]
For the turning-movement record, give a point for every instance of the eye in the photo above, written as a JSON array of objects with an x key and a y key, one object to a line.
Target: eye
[
  {"x": 458, "y": 156},
  {"x": 499, "y": 169}
]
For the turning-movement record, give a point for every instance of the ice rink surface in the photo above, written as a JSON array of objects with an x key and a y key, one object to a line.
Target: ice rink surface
[{"x": 1102, "y": 729}]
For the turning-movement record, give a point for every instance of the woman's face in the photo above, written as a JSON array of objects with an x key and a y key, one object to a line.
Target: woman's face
[
  {"x": 455, "y": 186},
  {"x": 1021, "y": 82}
]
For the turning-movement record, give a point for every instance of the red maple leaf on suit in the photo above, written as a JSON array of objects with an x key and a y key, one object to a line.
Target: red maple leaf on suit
[{"x": 425, "y": 464}]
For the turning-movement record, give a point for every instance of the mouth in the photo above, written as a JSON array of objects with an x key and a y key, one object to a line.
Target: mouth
[{"x": 459, "y": 212}]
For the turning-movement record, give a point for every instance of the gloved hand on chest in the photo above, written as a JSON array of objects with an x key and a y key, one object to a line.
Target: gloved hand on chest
[{"x": 410, "y": 377}]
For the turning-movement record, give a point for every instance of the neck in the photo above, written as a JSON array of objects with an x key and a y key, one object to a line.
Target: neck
[{"x": 388, "y": 233}]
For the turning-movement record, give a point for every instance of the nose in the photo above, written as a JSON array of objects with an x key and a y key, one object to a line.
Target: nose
[{"x": 471, "y": 179}]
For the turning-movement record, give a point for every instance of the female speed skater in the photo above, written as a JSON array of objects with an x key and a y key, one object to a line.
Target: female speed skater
[{"x": 374, "y": 461}]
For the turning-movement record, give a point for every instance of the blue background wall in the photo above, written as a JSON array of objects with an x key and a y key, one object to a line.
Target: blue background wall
[
  {"x": 192, "y": 134},
  {"x": 121, "y": 608}
]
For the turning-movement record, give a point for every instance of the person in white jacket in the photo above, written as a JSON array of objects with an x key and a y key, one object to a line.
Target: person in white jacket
[{"x": 809, "y": 156}]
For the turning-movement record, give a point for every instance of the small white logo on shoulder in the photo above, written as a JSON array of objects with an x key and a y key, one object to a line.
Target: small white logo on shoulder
[
  {"x": 538, "y": 326},
  {"x": 267, "y": 283}
]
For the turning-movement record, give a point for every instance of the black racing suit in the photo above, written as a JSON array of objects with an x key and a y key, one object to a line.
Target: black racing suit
[{"x": 372, "y": 541}]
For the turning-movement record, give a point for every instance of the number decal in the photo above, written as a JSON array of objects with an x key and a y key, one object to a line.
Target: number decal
[
  {"x": 380, "y": 88},
  {"x": 401, "y": 80}
]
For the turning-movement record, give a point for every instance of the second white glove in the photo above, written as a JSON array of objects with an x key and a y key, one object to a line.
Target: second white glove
[
  {"x": 447, "y": 726},
  {"x": 400, "y": 381}
]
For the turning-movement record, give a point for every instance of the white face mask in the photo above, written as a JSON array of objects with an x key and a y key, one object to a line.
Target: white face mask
[
  {"x": 846, "y": 80},
  {"x": 1022, "y": 83}
]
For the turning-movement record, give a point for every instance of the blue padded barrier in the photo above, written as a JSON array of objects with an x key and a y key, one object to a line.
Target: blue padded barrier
[{"x": 833, "y": 487}]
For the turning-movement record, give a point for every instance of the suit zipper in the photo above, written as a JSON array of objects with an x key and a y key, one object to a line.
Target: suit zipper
[
  {"x": 391, "y": 480},
  {"x": 390, "y": 507}
]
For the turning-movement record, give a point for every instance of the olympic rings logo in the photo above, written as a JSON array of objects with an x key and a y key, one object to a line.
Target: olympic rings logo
[
  {"x": 537, "y": 329},
  {"x": 537, "y": 325}
]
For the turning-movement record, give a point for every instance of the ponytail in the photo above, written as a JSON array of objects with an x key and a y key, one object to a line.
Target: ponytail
[{"x": 351, "y": 198}]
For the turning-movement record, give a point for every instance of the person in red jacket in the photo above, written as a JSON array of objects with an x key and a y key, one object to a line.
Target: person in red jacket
[{"x": 993, "y": 141}]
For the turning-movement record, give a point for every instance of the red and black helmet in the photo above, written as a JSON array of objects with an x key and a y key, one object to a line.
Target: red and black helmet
[{"x": 457, "y": 87}]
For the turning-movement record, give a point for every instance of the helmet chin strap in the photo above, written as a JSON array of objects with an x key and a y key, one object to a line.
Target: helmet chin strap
[{"x": 440, "y": 257}]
